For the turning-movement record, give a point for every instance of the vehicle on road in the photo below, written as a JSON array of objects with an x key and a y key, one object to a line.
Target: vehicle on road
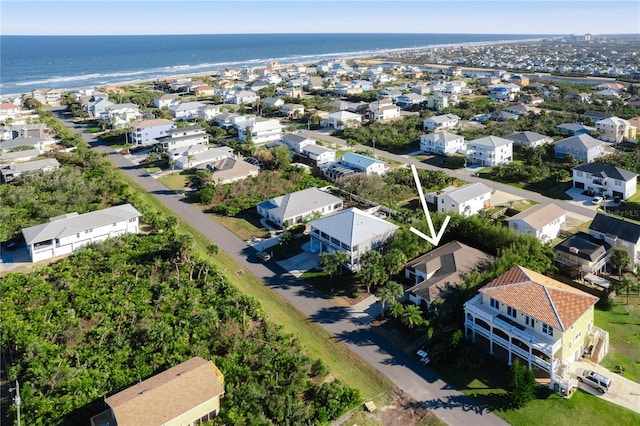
[
  {"x": 593, "y": 379},
  {"x": 423, "y": 357},
  {"x": 597, "y": 200}
]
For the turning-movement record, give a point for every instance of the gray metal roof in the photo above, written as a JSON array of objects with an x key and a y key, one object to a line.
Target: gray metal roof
[
  {"x": 493, "y": 141},
  {"x": 468, "y": 192},
  {"x": 353, "y": 226},
  {"x": 580, "y": 141},
  {"x": 605, "y": 170},
  {"x": 66, "y": 225},
  {"x": 300, "y": 202}
]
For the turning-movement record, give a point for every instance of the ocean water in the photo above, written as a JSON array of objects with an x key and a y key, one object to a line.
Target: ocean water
[{"x": 70, "y": 62}]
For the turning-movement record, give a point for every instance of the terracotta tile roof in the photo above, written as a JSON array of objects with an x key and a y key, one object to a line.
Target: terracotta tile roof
[{"x": 540, "y": 297}]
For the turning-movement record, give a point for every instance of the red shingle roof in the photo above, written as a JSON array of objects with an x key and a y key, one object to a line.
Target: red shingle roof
[{"x": 540, "y": 297}]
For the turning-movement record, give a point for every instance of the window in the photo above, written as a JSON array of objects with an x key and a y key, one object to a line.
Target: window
[
  {"x": 531, "y": 322},
  {"x": 547, "y": 329},
  {"x": 512, "y": 312},
  {"x": 494, "y": 303},
  {"x": 578, "y": 336},
  {"x": 88, "y": 231}
]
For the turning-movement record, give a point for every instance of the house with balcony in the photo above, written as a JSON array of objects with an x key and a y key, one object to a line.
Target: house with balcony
[
  {"x": 363, "y": 164},
  {"x": 9, "y": 110},
  {"x": 292, "y": 110},
  {"x": 439, "y": 272},
  {"x": 582, "y": 254},
  {"x": 384, "y": 109},
  {"x": 184, "y": 137},
  {"x": 230, "y": 170},
  {"x": 490, "y": 151},
  {"x": 120, "y": 116},
  {"x": 410, "y": 100},
  {"x": 575, "y": 129},
  {"x": 70, "y": 232},
  {"x": 147, "y": 132},
  {"x": 618, "y": 233},
  {"x": 441, "y": 122},
  {"x": 543, "y": 221},
  {"x": 353, "y": 231},
  {"x": 166, "y": 100},
  {"x": 97, "y": 107},
  {"x": 583, "y": 148},
  {"x": 297, "y": 142},
  {"x": 244, "y": 97},
  {"x": 605, "y": 180},
  {"x": 442, "y": 143},
  {"x": 207, "y": 156},
  {"x": 261, "y": 130},
  {"x": 465, "y": 200},
  {"x": 298, "y": 207},
  {"x": 614, "y": 129},
  {"x": 543, "y": 322},
  {"x": 342, "y": 120},
  {"x": 319, "y": 154},
  {"x": 529, "y": 139},
  {"x": 47, "y": 96},
  {"x": 186, "y": 394},
  {"x": 187, "y": 110}
]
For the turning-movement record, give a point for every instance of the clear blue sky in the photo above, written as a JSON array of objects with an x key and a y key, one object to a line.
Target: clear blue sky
[{"x": 26, "y": 17}]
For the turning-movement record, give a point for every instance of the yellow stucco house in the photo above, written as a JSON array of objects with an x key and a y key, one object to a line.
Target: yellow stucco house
[
  {"x": 187, "y": 394},
  {"x": 545, "y": 323},
  {"x": 614, "y": 129}
]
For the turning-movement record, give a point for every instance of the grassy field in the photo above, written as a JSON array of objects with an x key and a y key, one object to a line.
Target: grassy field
[
  {"x": 175, "y": 181},
  {"x": 241, "y": 227},
  {"x": 623, "y": 325},
  {"x": 342, "y": 362}
]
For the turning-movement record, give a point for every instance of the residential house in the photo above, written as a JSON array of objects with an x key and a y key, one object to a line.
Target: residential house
[
  {"x": 35, "y": 130},
  {"x": 14, "y": 170},
  {"x": 605, "y": 180},
  {"x": 574, "y": 129},
  {"x": 543, "y": 221},
  {"x": 186, "y": 394},
  {"x": 342, "y": 120},
  {"x": 440, "y": 101},
  {"x": 520, "y": 80},
  {"x": 298, "y": 207},
  {"x": 98, "y": 107},
  {"x": 297, "y": 142},
  {"x": 384, "y": 109},
  {"x": 353, "y": 231},
  {"x": 19, "y": 143},
  {"x": 490, "y": 151},
  {"x": 272, "y": 102},
  {"x": 47, "y": 96},
  {"x": 261, "y": 130},
  {"x": 543, "y": 322},
  {"x": 245, "y": 97},
  {"x": 167, "y": 100},
  {"x": 174, "y": 154},
  {"x": 70, "y": 232},
  {"x": 291, "y": 92},
  {"x": 19, "y": 156},
  {"x": 614, "y": 129},
  {"x": 207, "y": 156},
  {"x": 441, "y": 122},
  {"x": 465, "y": 200},
  {"x": 619, "y": 233},
  {"x": 363, "y": 164},
  {"x": 582, "y": 253},
  {"x": 183, "y": 137},
  {"x": 502, "y": 115},
  {"x": 583, "y": 148},
  {"x": 120, "y": 116},
  {"x": 437, "y": 273},
  {"x": 503, "y": 92},
  {"x": 147, "y": 132},
  {"x": 529, "y": 139},
  {"x": 522, "y": 109},
  {"x": 410, "y": 100},
  {"x": 580, "y": 97},
  {"x": 9, "y": 110},
  {"x": 208, "y": 112},
  {"x": 320, "y": 154},
  {"x": 292, "y": 110},
  {"x": 442, "y": 143},
  {"x": 230, "y": 170},
  {"x": 186, "y": 110},
  {"x": 204, "y": 90}
]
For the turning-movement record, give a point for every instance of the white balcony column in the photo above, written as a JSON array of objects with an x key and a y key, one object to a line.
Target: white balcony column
[
  {"x": 510, "y": 353},
  {"x": 491, "y": 341}
]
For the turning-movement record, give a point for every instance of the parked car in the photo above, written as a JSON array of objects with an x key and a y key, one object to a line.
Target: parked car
[
  {"x": 593, "y": 379},
  {"x": 264, "y": 256},
  {"x": 597, "y": 200},
  {"x": 423, "y": 357}
]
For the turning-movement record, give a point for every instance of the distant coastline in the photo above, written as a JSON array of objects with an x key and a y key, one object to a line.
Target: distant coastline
[{"x": 71, "y": 63}]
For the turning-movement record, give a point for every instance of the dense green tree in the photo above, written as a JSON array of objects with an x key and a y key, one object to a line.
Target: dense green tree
[
  {"x": 389, "y": 293},
  {"x": 520, "y": 385}
]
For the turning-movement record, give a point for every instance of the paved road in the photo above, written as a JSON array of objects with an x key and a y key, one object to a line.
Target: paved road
[
  {"x": 417, "y": 381},
  {"x": 461, "y": 174}
]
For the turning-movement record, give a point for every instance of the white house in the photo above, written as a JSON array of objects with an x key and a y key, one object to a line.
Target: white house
[
  {"x": 14, "y": 170},
  {"x": 207, "y": 156},
  {"x": 529, "y": 139},
  {"x": 443, "y": 143},
  {"x": 183, "y": 137},
  {"x": 297, "y": 142},
  {"x": 583, "y": 148},
  {"x": 605, "y": 180},
  {"x": 353, "y": 231},
  {"x": 261, "y": 130},
  {"x": 9, "y": 110},
  {"x": 384, "y": 109},
  {"x": 70, "y": 232},
  {"x": 186, "y": 110},
  {"x": 292, "y": 110},
  {"x": 409, "y": 100},
  {"x": 293, "y": 209},
  {"x": 441, "y": 122},
  {"x": 490, "y": 151},
  {"x": 166, "y": 100},
  {"x": 362, "y": 163},
  {"x": 342, "y": 120},
  {"x": 320, "y": 154},
  {"x": 465, "y": 200},
  {"x": 543, "y": 221},
  {"x": 245, "y": 97},
  {"x": 147, "y": 132},
  {"x": 121, "y": 115},
  {"x": 47, "y": 96}
]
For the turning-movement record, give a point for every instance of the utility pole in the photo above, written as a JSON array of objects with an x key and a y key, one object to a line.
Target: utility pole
[{"x": 17, "y": 399}]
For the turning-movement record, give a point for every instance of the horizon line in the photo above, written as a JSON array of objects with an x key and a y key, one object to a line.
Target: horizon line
[{"x": 312, "y": 33}]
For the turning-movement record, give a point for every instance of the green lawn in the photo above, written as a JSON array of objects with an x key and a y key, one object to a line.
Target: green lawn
[
  {"x": 176, "y": 181},
  {"x": 242, "y": 226},
  {"x": 342, "y": 362},
  {"x": 630, "y": 209},
  {"x": 623, "y": 325}
]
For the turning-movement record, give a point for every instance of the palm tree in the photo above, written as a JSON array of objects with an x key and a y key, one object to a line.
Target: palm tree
[
  {"x": 342, "y": 257},
  {"x": 412, "y": 316},
  {"x": 389, "y": 293},
  {"x": 329, "y": 264},
  {"x": 396, "y": 310}
]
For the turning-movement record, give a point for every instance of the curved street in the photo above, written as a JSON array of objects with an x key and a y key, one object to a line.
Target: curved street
[{"x": 418, "y": 382}]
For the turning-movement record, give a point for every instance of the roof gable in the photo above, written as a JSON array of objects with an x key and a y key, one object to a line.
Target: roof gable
[
  {"x": 623, "y": 229},
  {"x": 353, "y": 226}
]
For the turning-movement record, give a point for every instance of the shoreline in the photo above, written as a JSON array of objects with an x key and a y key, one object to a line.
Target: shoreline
[{"x": 378, "y": 55}]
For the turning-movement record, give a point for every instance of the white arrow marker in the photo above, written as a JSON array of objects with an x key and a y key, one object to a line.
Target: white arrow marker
[{"x": 433, "y": 239}]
